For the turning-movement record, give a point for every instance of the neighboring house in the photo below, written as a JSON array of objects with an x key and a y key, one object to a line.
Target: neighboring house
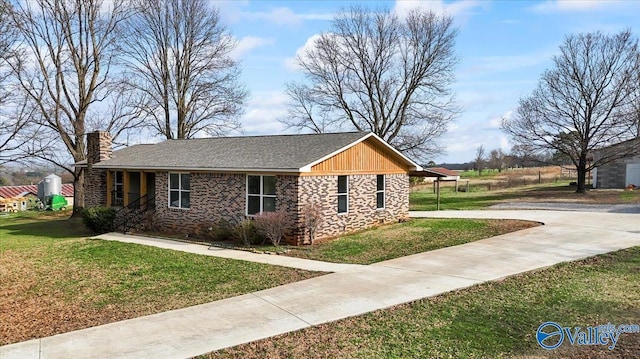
[
  {"x": 29, "y": 193},
  {"x": 619, "y": 173},
  {"x": 356, "y": 178}
]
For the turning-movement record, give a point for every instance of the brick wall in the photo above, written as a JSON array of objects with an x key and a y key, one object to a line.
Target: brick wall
[
  {"x": 216, "y": 196},
  {"x": 362, "y": 212},
  {"x": 95, "y": 187},
  {"x": 223, "y": 196},
  {"x": 95, "y": 181},
  {"x": 98, "y": 147}
]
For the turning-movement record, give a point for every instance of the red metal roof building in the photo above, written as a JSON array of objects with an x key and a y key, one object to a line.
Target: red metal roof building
[{"x": 21, "y": 191}]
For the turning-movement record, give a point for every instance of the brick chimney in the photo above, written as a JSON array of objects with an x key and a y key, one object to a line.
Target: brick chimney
[{"x": 98, "y": 147}]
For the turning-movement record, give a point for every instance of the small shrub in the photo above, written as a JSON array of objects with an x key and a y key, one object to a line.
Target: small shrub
[
  {"x": 273, "y": 225},
  {"x": 99, "y": 219},
  {"x": 220, "y": 230},
  {"x": 245, "y": 231},
  {"x": 312, "y": 213}
]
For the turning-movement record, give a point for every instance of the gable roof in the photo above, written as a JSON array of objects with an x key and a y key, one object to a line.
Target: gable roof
[
  {"x": 21, "y": 191},
  {"x": 278, "y": 153}
]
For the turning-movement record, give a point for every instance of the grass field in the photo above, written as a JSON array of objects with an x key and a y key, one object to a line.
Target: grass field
[
  {"x": 54, "y": 280},
  {"x": 491, "y": 320},
  {"x": 423, "y": 199},
  {"x": 403, "y": 239}
]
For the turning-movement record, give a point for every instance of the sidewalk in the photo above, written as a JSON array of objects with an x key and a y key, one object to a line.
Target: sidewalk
[
  {"x": 272, "y": 259},
  {"x": 352, "y": 291}
]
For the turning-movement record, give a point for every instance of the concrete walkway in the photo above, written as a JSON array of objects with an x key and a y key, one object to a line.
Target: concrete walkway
[
  {"x": 272, "y": 259},
  {"x": 566, "y": 236}
]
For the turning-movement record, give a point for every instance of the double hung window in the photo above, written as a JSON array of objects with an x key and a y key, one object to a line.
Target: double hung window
[
  {"x": 380, "y": 191},
  {"x": 179, "y": 190},
  {"x": 261, "y": 194},
  {"x": 343, "y": 194}
]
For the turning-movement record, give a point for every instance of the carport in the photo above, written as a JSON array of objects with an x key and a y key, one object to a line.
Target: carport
[{"x": 439, "y": 175}]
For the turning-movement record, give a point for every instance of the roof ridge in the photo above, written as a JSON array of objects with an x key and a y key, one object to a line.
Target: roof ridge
[{"x": 267, "y": 136}]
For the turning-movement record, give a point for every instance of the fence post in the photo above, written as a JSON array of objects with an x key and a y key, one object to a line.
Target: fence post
[{"x": 539, "y": 177}]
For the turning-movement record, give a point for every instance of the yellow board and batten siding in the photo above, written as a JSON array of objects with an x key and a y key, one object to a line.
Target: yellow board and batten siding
[{"x": 363, "y": 158}]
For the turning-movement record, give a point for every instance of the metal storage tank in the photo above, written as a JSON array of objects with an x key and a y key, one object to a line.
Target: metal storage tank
[{"x": 50, "y": 185}]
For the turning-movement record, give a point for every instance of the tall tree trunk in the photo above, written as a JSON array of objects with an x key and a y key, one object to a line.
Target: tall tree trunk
[
  {"x": 582, "y": 173},
  {"x": 78, "y": 192}
]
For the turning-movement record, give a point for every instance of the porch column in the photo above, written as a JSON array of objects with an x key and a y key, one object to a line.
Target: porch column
[
  {"x": 125, "y": 190},
  {"x": 109, "y": 187},
  {"x": 143, "y": 183},
  {"x": 143, "y": 187}
]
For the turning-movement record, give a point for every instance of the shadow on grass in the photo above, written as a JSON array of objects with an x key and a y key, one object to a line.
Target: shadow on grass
[{"x": 47, "y": 227}]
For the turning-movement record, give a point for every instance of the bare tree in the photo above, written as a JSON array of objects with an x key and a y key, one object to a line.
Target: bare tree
[
  {"x": 376, "y": 72},
  {"x": 64, "y": 75},
  {"x": 496, "y": 160},
  {"x": 582, "y": 103},
  {"x": 478, "y": 162},
  {"x": 179, "y": 64},
  {"x": 9, "y": 127}
]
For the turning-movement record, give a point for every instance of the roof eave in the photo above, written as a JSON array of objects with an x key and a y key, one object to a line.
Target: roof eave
[{"x": 198, "y": 169}]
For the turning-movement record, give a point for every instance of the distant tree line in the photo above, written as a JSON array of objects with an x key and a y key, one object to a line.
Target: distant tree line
[{"x": 518, "y": 157}]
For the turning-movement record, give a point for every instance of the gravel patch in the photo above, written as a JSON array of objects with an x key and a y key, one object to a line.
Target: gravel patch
[{"x": 578, "y": 207}]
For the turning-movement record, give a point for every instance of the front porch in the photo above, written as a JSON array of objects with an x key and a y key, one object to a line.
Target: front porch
[{"x": 131, "y": 189}]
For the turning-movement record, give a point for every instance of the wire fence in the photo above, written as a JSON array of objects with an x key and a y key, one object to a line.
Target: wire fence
[{"x": 475, "y": 185}]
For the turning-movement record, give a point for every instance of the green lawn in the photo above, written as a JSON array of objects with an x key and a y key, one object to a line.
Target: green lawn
[
  {"x": 54, "y": 280},
  {"x": 491, "y": 320},
  {"x": 403, "y": 239},
  {"x": 476, "y": 174},
  {"x": 425, "y": 200}
]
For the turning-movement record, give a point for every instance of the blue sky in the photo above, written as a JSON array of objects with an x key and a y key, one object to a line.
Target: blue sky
[{"x": 503, "y": 46}]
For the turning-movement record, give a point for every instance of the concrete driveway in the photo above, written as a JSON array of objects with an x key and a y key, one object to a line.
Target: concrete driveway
[{"x": 355, "y": 290}]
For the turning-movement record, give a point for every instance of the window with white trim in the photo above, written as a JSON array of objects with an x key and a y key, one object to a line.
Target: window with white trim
[
  {"x": 380, "y": 182},
  {"x": 179, "y": 190},
  {"x": 343, "y": 194},
  {"x": 261, "y": 194},
  {"x": 118, "y": 187}
]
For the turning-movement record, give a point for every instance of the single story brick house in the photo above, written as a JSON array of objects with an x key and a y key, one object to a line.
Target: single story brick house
[
  {"x": 621, "y": 172},
  {"x": 356, "y": 178}
]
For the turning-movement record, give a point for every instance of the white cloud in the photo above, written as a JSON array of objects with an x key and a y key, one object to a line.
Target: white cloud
[
  {"x": 262, "y": 113},
  {"x": 402, "y": 7},
  {"x": 278, "y": 16},
  {"x": 488, "y": 65},
  {"x": 231, "y": 10},
  {"x": 248, "y": 43},
  {"x": 496, "y": 121},
  {"x": 290, "y": 63},
  {"x": 281, "y": 16},
  {"x": 478, "y": 128},
  {"x": 573, "y": 5}
]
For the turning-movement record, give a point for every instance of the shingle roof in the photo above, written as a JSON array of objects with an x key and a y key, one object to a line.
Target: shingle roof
[
  {"x": 279, "y": 152},
  {"x": 20, "y": 191}
]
